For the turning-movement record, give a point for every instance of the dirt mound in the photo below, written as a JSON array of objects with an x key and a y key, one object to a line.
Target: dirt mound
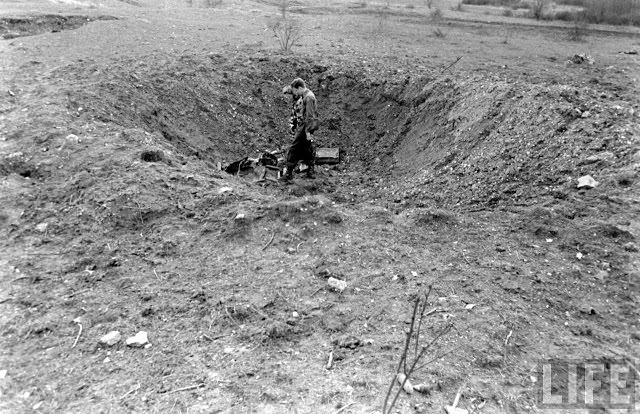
[{"x": 12, "y": 27}]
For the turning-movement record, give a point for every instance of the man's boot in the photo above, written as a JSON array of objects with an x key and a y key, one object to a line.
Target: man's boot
[
  {"x": 311, "y": 172},
  {"x": 287, "y": 178}
]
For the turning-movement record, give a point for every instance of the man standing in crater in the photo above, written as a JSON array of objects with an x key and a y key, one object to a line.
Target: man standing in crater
[{"x": 302, "y": 148}]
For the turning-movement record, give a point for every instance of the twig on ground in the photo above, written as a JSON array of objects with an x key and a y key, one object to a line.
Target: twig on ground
[
  {"x": 451, "y": 65},
  {"x": 270, "y": 240},
  {"x": 213, "y": 338},
  {"x": 344, "y": 407},
  {"x": 330, "y": 361},
  {"x": 190, "y": 387},
  {"x": 131, "y": 391},
  {"x": 77, "y": 292},
  {"x": 157, "y": 277},
  {"x": 506, "y": 341},
  {"x": 316, "y": 291},
  {"x": 465, "y": 259},
  {"x": 298, "y": 246},
  {"x": 77, "y": 337}
]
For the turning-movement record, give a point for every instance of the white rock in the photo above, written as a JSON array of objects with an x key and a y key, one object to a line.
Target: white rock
[
  {"x": 223, "y": 190},
  {"x": 407, "y": 387},
  {"x": 295, "y": 314},
  {"x": 3, "y": 373},
  {"x": 42, "y": 227},
  {"x": 337, "y": 284},
  {"x": 587, "y": 181},
  {"x": 111, "y": 338},
  {"x": 139, "y": 340}
]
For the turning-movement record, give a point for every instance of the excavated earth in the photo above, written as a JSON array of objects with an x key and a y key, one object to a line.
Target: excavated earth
[{"x": 115, "y": 216}]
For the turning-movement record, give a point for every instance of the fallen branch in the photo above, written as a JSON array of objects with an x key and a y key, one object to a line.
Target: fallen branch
[
  {"x": 77, "y": 337},
  {"x": 451, "y": 65},
  {"x": 190, "y": 387},
  {"x": 77, "y": 292},
  {"x": 131, "y": 391},
  {"x": 270, "y": 240},
  {"x": 330, "y": 361}
]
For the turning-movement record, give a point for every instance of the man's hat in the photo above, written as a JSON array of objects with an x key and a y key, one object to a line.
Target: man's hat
[{"x": 298, "y": 83}]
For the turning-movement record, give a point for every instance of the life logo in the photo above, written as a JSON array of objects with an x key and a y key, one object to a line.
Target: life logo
[{"x": 587, "y": 384}]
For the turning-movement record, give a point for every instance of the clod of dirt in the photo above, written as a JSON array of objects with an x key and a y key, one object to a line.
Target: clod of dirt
[
  {"x": 490, "y": 361},
  {"x": 348, "y": 341},
  {"x": 152, "y": 156}
]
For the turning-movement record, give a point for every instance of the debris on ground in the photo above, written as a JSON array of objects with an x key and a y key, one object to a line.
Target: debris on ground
[
  {"x": 405, "y": 383},
  {"x": 348, "y": 341},
  {"x": 423, "y": 388},
  {"x": 110, "y": 339},
  {"x": 581, "y": 58},
  {"x": 139, "y": 340},
  {"x": 337, "y": 284},
  {"x": 327, "y": 156},
  {"x": 587, "y": 181}
]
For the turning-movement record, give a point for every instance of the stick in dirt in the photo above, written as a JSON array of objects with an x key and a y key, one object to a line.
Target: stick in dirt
[
  {"x": 270, "y": 240},
  {"x": 77, "y": 337}
]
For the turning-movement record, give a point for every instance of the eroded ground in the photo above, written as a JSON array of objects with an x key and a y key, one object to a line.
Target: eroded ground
[{"x": 463, "y": 179}]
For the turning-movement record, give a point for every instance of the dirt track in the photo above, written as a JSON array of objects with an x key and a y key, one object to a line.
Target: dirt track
[{"x": 464, "y": 180}]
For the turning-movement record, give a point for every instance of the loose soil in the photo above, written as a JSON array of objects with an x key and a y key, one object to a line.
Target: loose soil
[{"x": 115, "y": 215}]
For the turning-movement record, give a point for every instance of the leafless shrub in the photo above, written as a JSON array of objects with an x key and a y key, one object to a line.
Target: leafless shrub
[
  {"x": 382, "y": 17},
  {"x": 507, "y": 13},
  {"x": 287, "y": 32},
  {"x": 436, "y": 14},
  {"x": 212, "y": 3},
  {"x": 578, "y": 30},
  {"x": 414, "y": 351},
  {"x": 537, "y": 10},
  {"x": 458, "y": 7},
  {"x": 438, "y": 33},
  {"x": 283, "y": 6},
  {"x": 429, "y": 3}
]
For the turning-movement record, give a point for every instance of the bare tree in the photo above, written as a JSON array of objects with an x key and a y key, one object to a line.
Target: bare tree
[
  {"x": 287, "y": 32},
  {"x": 283, "y": 6}
]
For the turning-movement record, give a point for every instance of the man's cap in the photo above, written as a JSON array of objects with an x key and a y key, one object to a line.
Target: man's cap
[{"x": 298, "y": 83}]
